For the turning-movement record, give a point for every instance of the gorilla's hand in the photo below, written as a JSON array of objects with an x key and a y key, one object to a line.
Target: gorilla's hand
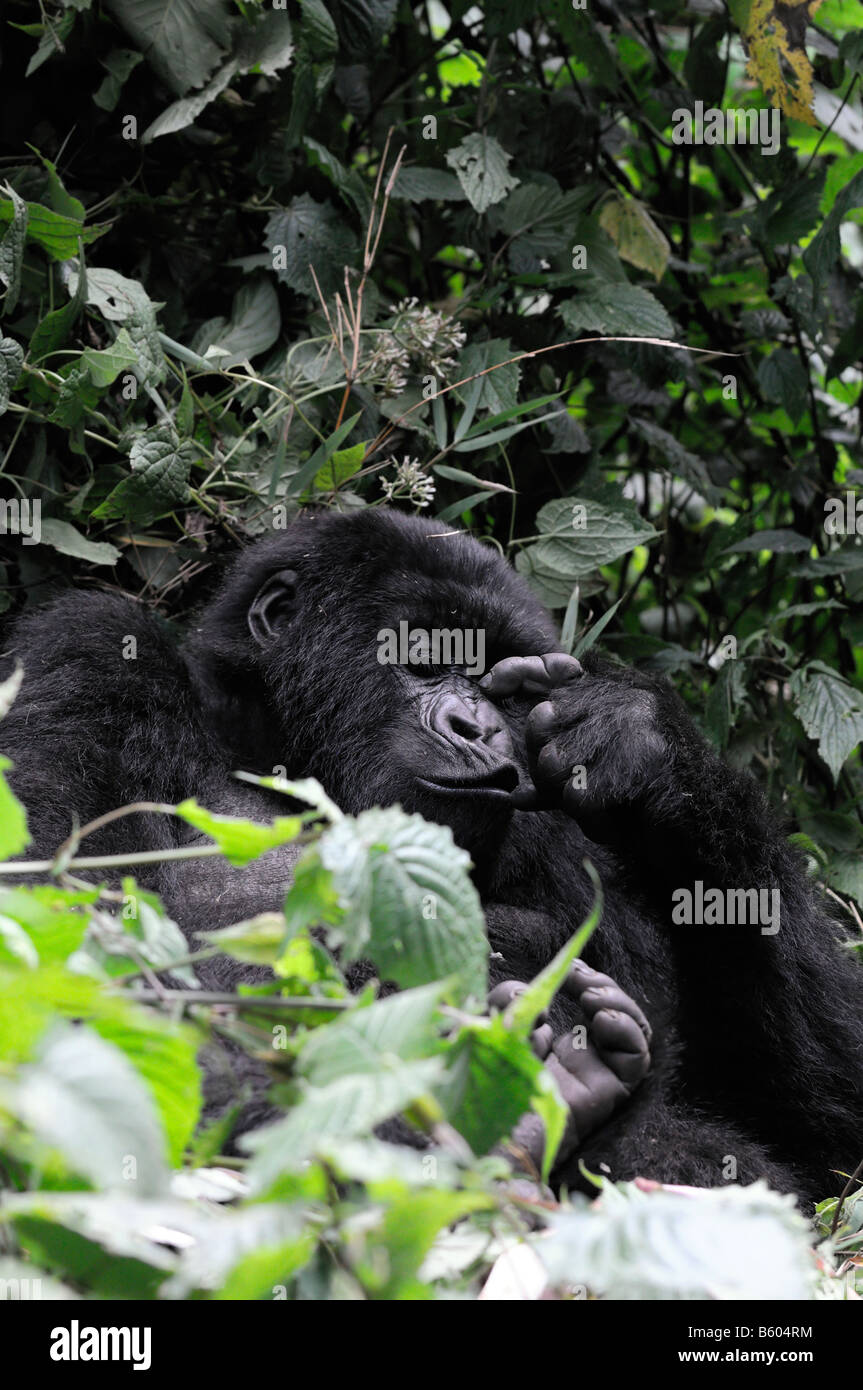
[
  {"x": 595, "y": 743},
  {"x": 597, "y": 1065}
]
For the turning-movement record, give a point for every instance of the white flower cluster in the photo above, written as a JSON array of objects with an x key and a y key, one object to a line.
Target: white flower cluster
[
  {"x": 420, "y": 339},
  {"x": 409, "y": 481}
]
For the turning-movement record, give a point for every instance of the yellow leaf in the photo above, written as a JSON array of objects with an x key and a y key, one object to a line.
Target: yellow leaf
[
  {"x": 774, "y": 33},
  {"x": 636, "y": 235}
]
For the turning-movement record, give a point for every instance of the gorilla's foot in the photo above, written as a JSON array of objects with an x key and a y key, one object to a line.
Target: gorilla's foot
[{"x": 597, "y": 1064}]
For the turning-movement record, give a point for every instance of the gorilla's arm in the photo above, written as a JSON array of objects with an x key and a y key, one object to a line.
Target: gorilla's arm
[{"x": 771, "y": 1022}]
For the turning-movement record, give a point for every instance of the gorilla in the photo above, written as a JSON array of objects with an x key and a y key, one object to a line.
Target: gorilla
[{"x": 715, "y": 1052}]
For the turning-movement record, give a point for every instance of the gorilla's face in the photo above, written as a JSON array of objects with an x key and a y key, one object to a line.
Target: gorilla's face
[
  {"x": 455, "y": 754},
  {"x": 371, "y": 632}
]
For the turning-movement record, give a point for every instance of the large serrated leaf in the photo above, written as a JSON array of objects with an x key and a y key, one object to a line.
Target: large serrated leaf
[
  {"x": 616, "y": 308},
  {"x": 183, "y": 41},
  {"x": 351, "y": 1106},
  {"x": 85, "y": 1098},
  {"x": 364, "y": 1040},
  {"x": 265, "y": 48},
  {"x": 830, "y": 711},
  {"x": 480, "y": 164},
  {"x": 12, "y": 249},
  {"x": 410, "y": 904},
  {"x": 312, "y": 235},
  {"x": 578, "y": 535}
]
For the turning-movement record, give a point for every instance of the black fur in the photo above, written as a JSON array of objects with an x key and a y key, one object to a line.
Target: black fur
[{"x": 758, "y": 1049}]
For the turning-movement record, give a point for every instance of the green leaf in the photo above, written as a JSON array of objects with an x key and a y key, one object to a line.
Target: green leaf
[
  {"x": 417, "y": 184},
  {"x": 783, "y": 379},
  {"x": 484, "y": 441},
  {"x": 12, "y": 249},
  {"x": 240, "y": 840},
  {"x": 406, "y": 1234},
  {"x": 845, "y": 875},
  {"x": 259, "y": 940},
  {"x": 492, "y": 1078},
  {"x": 14, "y": 835},
  {"x": 409, "y": 903},
  {"x": 500, "y": 386},
  {"x": 164, "y": 1056},
  {"x": 823, "y": 250},
  {"x": 343, "y": 464},
  {"x": 789, "y": 213},
  {"x": 121, "y": 300},
  {"x": 53, "y": 330},
  {"x": 119, "y": 64},
  {"x": 319, "y": 31},
  {"x": 264, "y": 46},
  {"x": 246, "y": 1255},
  {"x": 253, "y": 327},
  {"x": 160, "y": 468},
  {"x": 11, "y": 362},
  {"x": 63, "y": 537},
  {"x": 480, "y": 165},
  {"x": 347, "y": 182},
  {"x": 309, "y": 234},
  {"x": 666, "y": 1245},
  {"x": 84, "y": 1098},
  {"x": 593, "y": 634},
  {"x": 575, "y": 542},
  {"x": 400, "y": 1027},
  {"x": 623, "y": 309},
  {"x": 306, "y": 789},
  {"x": 501, "y": 417},
  {"x": 106, "y": 365},
  {"x": 305, "y": 475},
  {"x": 56, "y": 234},
  {"x": 51, "y": 917},
  {"x": 831, "y": 711},
  {"x": 677, "y": 458},
  {"x": 183, "y": 41},
  {"x": 351, "y": 1106},
  {"x": 845, "y": 559},
  {"x": 782, "y": 542}
]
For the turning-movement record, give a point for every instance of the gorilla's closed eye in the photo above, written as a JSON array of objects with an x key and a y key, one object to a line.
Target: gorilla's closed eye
[{"x": 272, "y": 606}]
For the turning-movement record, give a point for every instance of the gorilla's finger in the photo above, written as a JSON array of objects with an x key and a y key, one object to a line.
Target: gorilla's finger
[
  {"x": 611, "y": 996},
  {"x": 581, "y": 976},
  {"x": 593, "y": 990},
  {"x": 525, "y": 798},
  {"x": 502, "y": 995},
  {"x": 562, "y": 668},
  {"x": 541, "y": 1040},
  {"x": 590, "y": 1088},
  {"x": 551, "y": 766},
  {"x": 528, "y": 1137},
  {"x": 516, "y": 674},
  {"x": 622, "y": 1045},
  {"x": 541, "y": 723}
]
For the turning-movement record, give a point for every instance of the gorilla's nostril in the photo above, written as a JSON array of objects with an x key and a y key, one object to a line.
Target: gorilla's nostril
[{"x": 464, "y": 728}]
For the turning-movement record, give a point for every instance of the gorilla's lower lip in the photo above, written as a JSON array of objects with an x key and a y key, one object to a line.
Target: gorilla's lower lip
[{"x": 499, "y": 783}]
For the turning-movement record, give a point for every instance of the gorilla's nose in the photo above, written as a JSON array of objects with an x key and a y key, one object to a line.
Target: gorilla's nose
[{"x": 460, "y": 720}]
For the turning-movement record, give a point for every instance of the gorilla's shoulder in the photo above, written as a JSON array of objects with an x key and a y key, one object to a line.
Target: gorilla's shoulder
[{"x": 104, "y": 633}]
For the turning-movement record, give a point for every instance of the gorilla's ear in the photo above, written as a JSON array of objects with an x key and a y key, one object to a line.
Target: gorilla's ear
[{"x": 272, "y": 606}]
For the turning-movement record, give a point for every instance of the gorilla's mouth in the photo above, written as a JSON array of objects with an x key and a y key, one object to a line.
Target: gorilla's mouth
[{"x": 495, "y": 782}]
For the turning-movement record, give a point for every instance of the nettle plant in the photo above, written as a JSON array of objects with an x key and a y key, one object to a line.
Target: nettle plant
[
  {"x": 113, "y": 1189},
  {"x": 339, "y": 253}
]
